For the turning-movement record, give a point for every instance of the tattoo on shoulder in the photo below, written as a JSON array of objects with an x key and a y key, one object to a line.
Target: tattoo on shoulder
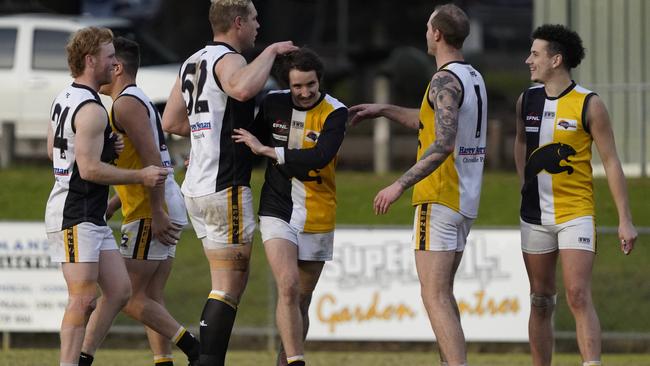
[{"x": 445, "y": 93}]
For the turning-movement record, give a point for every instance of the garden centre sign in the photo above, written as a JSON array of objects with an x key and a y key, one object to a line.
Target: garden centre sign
[{"x": 370, "y": 291}]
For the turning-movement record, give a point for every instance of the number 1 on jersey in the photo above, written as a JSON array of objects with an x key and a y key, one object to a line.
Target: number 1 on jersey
[{"x": 479, "y": 119}]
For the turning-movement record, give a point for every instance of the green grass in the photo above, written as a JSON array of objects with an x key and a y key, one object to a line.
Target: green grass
[
  {"x": 117, "y": 357},
  {"x": 620, "y": 283}
]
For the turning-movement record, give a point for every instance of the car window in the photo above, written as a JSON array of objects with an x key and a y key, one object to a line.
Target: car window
[
  {"x": 7, "y": 47},
  {"x": 49, "y": 50}
]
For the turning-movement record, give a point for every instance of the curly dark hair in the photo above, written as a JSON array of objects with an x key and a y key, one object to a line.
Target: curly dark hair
[
  {"x": 562, "y": 40},
  {"x": 303, "y": 59}
]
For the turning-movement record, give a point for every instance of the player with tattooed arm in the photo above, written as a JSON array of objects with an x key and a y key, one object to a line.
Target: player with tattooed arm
[{"x": 447, "y": 176}]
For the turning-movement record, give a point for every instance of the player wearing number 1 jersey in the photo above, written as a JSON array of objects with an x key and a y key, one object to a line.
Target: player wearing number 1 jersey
[
  {"x": 452, "y": 124},
  {"x": 212, "y": 96},
  {"x": 82, "y": 150}
]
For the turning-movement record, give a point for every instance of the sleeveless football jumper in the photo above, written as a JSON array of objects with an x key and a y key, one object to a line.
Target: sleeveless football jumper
[
  {"x": 74, "y": 200},
  {"x": 558, "y": 180},
  {"x": 457, "y": 182}
]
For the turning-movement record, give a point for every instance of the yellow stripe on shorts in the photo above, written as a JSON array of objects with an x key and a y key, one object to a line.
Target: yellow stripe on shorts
[
  {"x": 142, "y": 240},
  {"x": 422, "y": 231},
  {"x": 235, "y": 211},
  {"x": 71, "y": 241}
]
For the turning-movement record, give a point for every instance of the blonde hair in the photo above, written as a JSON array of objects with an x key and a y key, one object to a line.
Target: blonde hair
[
  {"x": 85, "y": 41},
  {"x": 223, "y": 12}
]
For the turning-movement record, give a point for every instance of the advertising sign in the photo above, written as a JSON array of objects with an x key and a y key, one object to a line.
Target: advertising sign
[{"x": 370, "y": 291}]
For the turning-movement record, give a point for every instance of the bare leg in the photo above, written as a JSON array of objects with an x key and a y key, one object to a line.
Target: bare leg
[
  {"x": 143, "y": 308},
  {"x": 116, "y": 290},
  {"x": 576, "y": 269},
  {"x": 159, "y": 344},
  {"x": 283, "y": 259},
  {"x": 81, "y": 280},
  {"x": 435, "y": 271},
  {"x": 309, "y": 273},
  {"x": 541, "y": 275}
]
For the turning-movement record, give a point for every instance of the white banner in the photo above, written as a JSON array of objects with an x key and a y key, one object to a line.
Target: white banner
[
  {"x": 33, "y": 293},
  {"x": 370, "y": 291}
]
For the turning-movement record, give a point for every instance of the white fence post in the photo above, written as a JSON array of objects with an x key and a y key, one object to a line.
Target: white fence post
[{"x": 381, "y": 128}]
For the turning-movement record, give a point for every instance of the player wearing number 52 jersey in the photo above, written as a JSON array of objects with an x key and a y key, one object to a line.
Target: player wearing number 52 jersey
[{"x": 212, "y": 96}]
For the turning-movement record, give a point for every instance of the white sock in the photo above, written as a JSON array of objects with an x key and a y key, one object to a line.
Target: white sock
[
  {"x": 295, "y": 358},
  {"x": 591, "y": 363}
]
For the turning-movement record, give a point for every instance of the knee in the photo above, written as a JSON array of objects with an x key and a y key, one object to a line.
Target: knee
[
  {"x": 289, "y": 291},
  {"x": 135, "y": 307},
  {"x": 119, "y": 295},
  {"x": 82, "y": 303},
  {"x": 435, "y": 296},
  {"x": 578, "y": 297},
  {"x": 80, "y": 306},
  {"x": 542, "y": 304}
]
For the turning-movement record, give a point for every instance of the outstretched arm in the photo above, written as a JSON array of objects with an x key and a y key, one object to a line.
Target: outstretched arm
[
  {"x": 445, "y": 93},
  {"x": 601, "y": 130},
  {"x": 408, "y": 117}
]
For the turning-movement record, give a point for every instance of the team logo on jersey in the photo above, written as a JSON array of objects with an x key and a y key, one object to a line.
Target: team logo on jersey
[
  {"x": 548, "y": 158},
  {"x": 311, "y": 136},
  {"x": 280, "y": 130},
  {"x": 533, "y": 118},
  {"x": 549, "y": 114},
  {"x": 566, "y": 124}
]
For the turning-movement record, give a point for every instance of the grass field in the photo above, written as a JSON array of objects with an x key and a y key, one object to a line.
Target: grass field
[
  {"x": 620, "y": 283},
  {"x": 117, "y": 357}
]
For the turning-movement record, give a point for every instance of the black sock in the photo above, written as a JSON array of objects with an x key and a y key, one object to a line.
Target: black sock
[
  {"x": 216, "y": 325},
  {"x": 85, "y": 359},
  {"x": 189, "y": 345},
  {"x": 297, "y": 363},
  {"x": 164, "y": 363}
]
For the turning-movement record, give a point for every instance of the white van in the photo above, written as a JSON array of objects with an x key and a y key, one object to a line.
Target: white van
[{"x": 34, "y": 69}]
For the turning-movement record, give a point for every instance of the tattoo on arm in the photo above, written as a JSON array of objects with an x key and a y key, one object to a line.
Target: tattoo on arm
[{"x": 446, "y": 93}]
